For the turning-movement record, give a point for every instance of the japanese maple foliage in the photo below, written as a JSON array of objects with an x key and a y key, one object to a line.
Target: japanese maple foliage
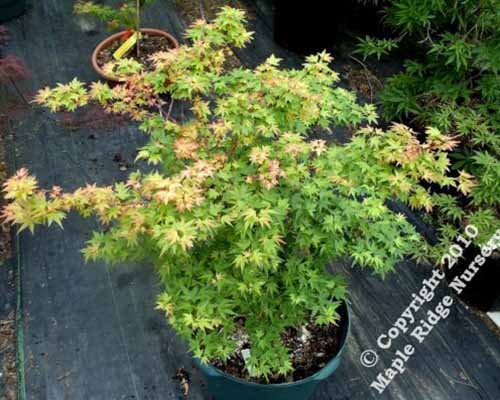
[{"x": 241, "y": 214}]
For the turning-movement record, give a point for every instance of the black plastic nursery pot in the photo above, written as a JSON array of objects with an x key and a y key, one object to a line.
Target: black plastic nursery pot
[
  {"x": 310, "y": 27},
  {"x": 11, "y": 8},
  {"x": 476, "y": 286},
  {"x": 226, "y": 387},
  {"x": 303, "y": 28}
]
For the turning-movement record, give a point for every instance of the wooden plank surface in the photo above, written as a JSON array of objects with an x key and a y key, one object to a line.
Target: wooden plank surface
[{"x": 91, "y": 332}]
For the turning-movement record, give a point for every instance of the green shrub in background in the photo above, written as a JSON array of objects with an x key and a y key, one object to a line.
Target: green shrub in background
[
  {"x": 126, "y": 16},
  {"x": 452, "y": 82}
]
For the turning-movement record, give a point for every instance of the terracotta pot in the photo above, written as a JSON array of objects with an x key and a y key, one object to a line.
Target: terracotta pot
[{"x": 117, "y": 36}]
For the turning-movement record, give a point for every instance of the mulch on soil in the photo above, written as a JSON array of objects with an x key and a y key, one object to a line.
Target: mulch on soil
[{"x": 8, "y": 371}]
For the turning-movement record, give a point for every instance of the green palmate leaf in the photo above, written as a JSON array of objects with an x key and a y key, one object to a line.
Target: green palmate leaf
[{"x": 369, "y": 47}]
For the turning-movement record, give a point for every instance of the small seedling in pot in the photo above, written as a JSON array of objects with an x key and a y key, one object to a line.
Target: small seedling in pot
[
  {"x": 127, "y": 19},
  {"x": 127, "y": 16}
]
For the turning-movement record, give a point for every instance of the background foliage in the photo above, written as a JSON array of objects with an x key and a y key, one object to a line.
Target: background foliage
[
  {"x": 123, "y": 17},
  {"x": 451, "y": 81}
]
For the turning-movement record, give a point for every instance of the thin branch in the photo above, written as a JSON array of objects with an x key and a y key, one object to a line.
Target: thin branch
[
  {"x": 170, "y": 108},
  {"x": 368, "y": 75},
  {"x": 202, "y": 10},
  {"x": 453, "y": 380},
  {"x": 19, "y": 92},
  {"x": 138, "y": 26}
]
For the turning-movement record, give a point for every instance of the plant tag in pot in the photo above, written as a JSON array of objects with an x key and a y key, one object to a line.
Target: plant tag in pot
[
  {"x": 125, "y": 47},
  {"x": 245, "y": 353}
]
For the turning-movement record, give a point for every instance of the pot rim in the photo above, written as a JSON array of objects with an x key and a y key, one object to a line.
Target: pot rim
[
  {"x": 110, "y": 39},
  {"x": 345, "y": 334}
]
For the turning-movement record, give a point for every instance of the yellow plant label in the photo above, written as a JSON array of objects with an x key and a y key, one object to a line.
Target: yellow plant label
[{"x": 125, "y": 47}]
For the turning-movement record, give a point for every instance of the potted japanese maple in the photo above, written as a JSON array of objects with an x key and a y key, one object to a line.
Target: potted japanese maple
[
  {"x": 133, "y": 41},
  {"x": 241, "y": 214}
]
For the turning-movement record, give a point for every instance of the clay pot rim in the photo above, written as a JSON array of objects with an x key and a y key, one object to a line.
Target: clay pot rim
[{"x": 110, "y": 39}]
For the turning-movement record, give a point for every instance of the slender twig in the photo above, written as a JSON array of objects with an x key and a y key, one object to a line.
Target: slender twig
[
  {"x": 182, "y": 113},
  {"x": 18, "y": 91},
  {"x": 453, "y": 380},
  {"x": 170, "y": 109},
  {"x": 367, "y": 70},
  {"x": 234, "y": 147},
  {"x": 368, "y": 75},
  {"x": 202, "y": 10},
  {"x": 427, "y": 38},
  {"x": 138, "y": 26}
]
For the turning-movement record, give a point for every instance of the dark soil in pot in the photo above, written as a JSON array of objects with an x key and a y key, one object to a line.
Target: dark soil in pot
[
  {"x": 153, "y": 41},
  {"x": 482, "y": 290},
  {"x": 311, "y": 350},
  {"x": 149, "y": 45}
]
